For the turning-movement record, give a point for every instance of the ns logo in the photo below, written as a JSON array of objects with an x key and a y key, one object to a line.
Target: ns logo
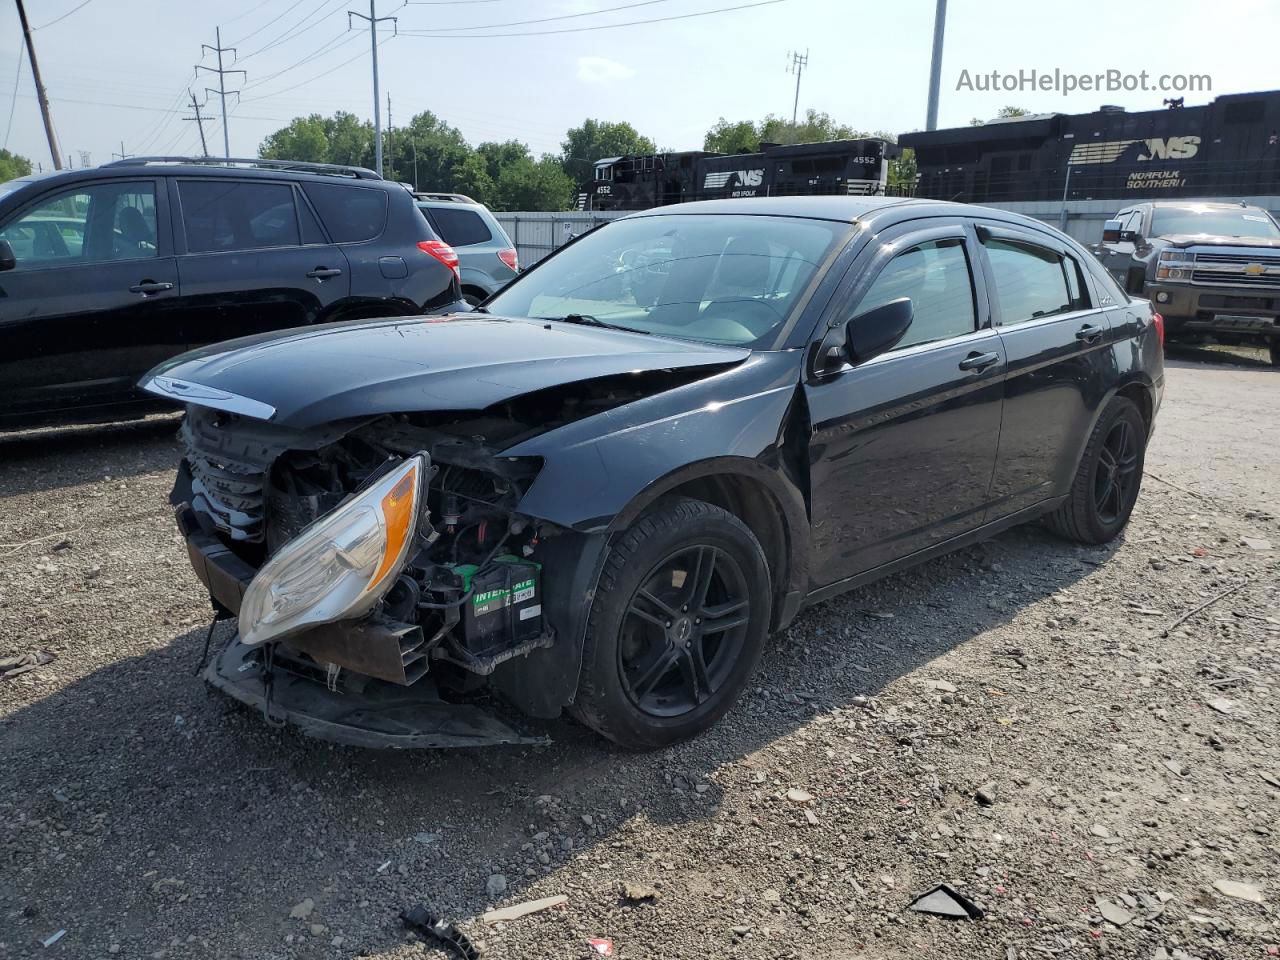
[{"x": 1170, "y": 148}]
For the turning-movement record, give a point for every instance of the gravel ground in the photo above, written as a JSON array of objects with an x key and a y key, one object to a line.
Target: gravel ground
[{"x": 1009, "y": 720}]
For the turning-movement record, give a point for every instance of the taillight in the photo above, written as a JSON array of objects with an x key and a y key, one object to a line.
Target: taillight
[
  {"x": 510, "y": 258},
  {"x": 1159, "y": 323},
  {"x": 441, "y": 251}
]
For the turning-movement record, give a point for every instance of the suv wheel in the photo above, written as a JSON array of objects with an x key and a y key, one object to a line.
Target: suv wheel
[
  {"x": 1107, "y": 481},
  {"x": 1275, "y": 353},
  {"x": 677, "y": 625}
]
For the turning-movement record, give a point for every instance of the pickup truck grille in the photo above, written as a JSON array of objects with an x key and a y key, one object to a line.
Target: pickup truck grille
[{"x": 1237, "y": 269}]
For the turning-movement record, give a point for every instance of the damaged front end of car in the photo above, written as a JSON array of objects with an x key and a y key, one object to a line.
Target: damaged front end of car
[{"x": 385, "y": 582}]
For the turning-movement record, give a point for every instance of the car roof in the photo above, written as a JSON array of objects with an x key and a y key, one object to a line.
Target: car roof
[
  {"x": 128, "y": 170},
  {"x": 1210, "y": 204}
]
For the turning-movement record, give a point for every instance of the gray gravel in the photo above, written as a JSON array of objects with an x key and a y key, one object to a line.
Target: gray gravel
[{"x": 1008, "y": 720}]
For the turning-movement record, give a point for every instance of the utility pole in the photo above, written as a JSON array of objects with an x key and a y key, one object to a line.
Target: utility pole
[
  {"x": 374, "y": 20},
  {"x": 195, "y": 105},
  {"x": 935, "y": 66},
  {"x": 84, "y": 159},
  {"x": 798, "y": 62},
  {"x": 414, "y": 144},
  {"x": 121, "y": 155},
  {"x": 42, "y": 96},
  {"x": 222, "y": 84}
]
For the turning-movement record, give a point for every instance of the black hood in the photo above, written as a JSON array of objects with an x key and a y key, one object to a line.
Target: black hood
[{"x": 301, "y": 378}]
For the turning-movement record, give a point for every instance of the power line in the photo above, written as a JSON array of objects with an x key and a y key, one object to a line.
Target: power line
[
  {"x": 79, "y": 6},
  {"x": 566, "y": 16},
  {"x": 605, "y": 26},
  {"x": 135, "y": 106},
  {"x": 319, "y": 76},
  {"x": 341, "y": 40},
  {"x": 297, "y": 29},
  {"x": 296, "y": 3}
]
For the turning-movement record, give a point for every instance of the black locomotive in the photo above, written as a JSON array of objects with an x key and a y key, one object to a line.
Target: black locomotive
[
  {"x": 1225, "y": 148},
  {"x": 858, "y": 167}
]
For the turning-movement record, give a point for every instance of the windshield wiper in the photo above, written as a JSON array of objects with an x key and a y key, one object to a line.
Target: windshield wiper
[{"x": 587, "y": 320}]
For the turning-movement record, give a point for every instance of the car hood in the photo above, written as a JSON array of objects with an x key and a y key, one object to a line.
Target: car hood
[
  {"x": 302, "y": 378},
  {"x": 1205, "y": 240}
]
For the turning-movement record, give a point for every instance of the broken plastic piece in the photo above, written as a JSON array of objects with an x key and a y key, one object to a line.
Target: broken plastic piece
[
  {"x": 424, "y": 921},
  {"x": 601, "y": 946},
  {"x": 942, "y": 901},
  {"x": 519, "y": 910}
]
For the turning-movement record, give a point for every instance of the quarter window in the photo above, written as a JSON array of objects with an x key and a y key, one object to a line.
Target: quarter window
[
  {"x": 222, "y": 215},
  {"x": 351, "y": 213},
  {"x": 458, "y": 228},
  {"x": 937, "y": 278},
  {"x": 104, "y": 222},
  {"x": 1030, "y": 281}
]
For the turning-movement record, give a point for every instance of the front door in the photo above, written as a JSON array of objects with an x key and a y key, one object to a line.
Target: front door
[
  {"x": 90, "y": 305},
  {"x": 1058, "y": 342},
  {"x": 903, "y": 446},
  {"x": 253, "y": 259}
]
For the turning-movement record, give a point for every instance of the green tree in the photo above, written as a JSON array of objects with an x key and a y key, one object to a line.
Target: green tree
[
  {"x": 1004, "y": 113},
  {"x": 744, "y": 136},
  {"x": 596, "y": 139},
  {"x": 497, "y": 156},
  {"x": 529, "y": 185},
  {"x": 342, "y": 138},
  {"x": 12, "y": 166}
]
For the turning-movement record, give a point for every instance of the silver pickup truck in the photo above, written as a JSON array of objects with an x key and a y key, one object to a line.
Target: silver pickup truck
[{"x": 1209, "y": 268}]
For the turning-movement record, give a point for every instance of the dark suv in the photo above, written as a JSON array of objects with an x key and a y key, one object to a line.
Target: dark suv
[{"x": 105, "y": 272}]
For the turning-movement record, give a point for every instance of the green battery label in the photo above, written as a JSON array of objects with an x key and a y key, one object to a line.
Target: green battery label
[{"x": 487, "y": 601}]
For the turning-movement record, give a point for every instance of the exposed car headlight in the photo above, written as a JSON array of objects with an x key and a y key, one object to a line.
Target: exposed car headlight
[{"x": 340, "y": 565}]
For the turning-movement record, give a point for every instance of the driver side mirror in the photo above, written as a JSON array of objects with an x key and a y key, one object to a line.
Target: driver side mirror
[
  {"x": 878, "y": 330},
  {"x": 1111, "y": 231},
  {"x": 7, "y": 260}
]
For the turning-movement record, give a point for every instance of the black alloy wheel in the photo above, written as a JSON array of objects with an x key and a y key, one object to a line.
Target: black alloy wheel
[
  {"x": 1115, "y": 481},
  {"x": 684, "y": 630}
]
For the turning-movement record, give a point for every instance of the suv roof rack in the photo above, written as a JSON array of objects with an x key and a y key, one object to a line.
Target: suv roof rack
[
  {"x": 330, "y": 169},
  {"x": 455, "y": 197}
]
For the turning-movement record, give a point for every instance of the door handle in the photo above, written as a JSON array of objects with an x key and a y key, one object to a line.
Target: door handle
[
  {"x": 150, "y": 286},
  {"x": 979, "y": 361},
  {"x": 1089, "y": 333},
  {"x": 324, "y": 273}
]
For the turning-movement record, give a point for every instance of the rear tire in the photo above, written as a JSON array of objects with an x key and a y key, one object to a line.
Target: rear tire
[
  {"x": 1275, "y": 353},
  {"x": 1106, "y": 485},
  {"x": 677, "y": 625}
]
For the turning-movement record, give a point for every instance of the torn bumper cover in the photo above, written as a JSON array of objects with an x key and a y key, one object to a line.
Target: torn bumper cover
[{"x": 381, "y": 715}]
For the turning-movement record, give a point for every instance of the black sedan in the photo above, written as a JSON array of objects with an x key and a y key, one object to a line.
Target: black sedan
[{"x": 604, "y": 490}]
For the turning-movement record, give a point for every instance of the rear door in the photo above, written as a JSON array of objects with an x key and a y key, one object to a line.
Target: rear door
[
  {"x": 252, "y": 258},
  {"x": 90, "y": 305},
  {"x": 903, "y": 446},
  {"x": 1060, "y": 365}
]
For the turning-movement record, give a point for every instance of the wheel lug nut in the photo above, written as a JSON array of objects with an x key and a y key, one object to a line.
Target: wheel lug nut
[
  {"x": 685, "y": 608},
  {"x": 697, "y": 619},
  {"x": 668, "y": 623}
]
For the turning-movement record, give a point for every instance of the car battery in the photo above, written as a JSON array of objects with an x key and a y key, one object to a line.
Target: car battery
[{"x": 505, "y": 606}]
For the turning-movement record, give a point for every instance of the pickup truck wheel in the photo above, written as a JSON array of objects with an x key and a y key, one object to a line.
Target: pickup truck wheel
[
  {"x": 677, "y": 625},
  {"x": 1275, "y": 353},
  {"x": 1107, "y": 481}
]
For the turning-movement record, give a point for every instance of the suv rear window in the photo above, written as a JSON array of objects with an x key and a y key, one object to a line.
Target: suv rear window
[
  {"x": 458, "y": 228},
  {"x": 351, "y": 213}
]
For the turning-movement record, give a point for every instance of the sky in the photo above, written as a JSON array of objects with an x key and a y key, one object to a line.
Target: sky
[{"x": 117, "y": 70}]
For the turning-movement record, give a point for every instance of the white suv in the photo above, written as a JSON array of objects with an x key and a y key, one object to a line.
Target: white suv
[{"x": 487, "y": 259}]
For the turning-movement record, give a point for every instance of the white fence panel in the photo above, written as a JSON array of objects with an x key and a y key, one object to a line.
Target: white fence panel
[{"x": 537, "y": 234}]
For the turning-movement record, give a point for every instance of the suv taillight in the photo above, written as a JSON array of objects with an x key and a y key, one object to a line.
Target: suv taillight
[
  {"x": 1159, "y": 322},
  {"x": 510, "y": 258},
  {"x": 441, "y": 251}
]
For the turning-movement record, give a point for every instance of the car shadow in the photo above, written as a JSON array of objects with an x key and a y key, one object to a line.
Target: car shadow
[
  {"x": 53, "y": 457},
  {"x": 1252, "y": 358},
  {"x": 141, "y": 804}
]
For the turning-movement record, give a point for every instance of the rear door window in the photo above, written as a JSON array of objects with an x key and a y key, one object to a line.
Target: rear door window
[
  {"x": 222, "y": 215},
  {"x": 458, "y": 228},
  {"x": 351, "y": 213},
  {"x": 1030, "y": 281}
]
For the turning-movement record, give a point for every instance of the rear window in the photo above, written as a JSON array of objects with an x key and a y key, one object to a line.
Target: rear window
[
  {"x": 220, "y": 215},
  {"x": 351, "y": 213},
  {"x": 458, "y": 228}
]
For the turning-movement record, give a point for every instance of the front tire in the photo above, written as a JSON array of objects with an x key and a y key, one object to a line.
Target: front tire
[
  {"x": 677, "y": 625},
  {"x": 1105, "y": 488}
]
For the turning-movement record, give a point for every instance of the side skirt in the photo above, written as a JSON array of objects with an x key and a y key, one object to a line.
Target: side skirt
[{"x": 976, "y": 535}]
